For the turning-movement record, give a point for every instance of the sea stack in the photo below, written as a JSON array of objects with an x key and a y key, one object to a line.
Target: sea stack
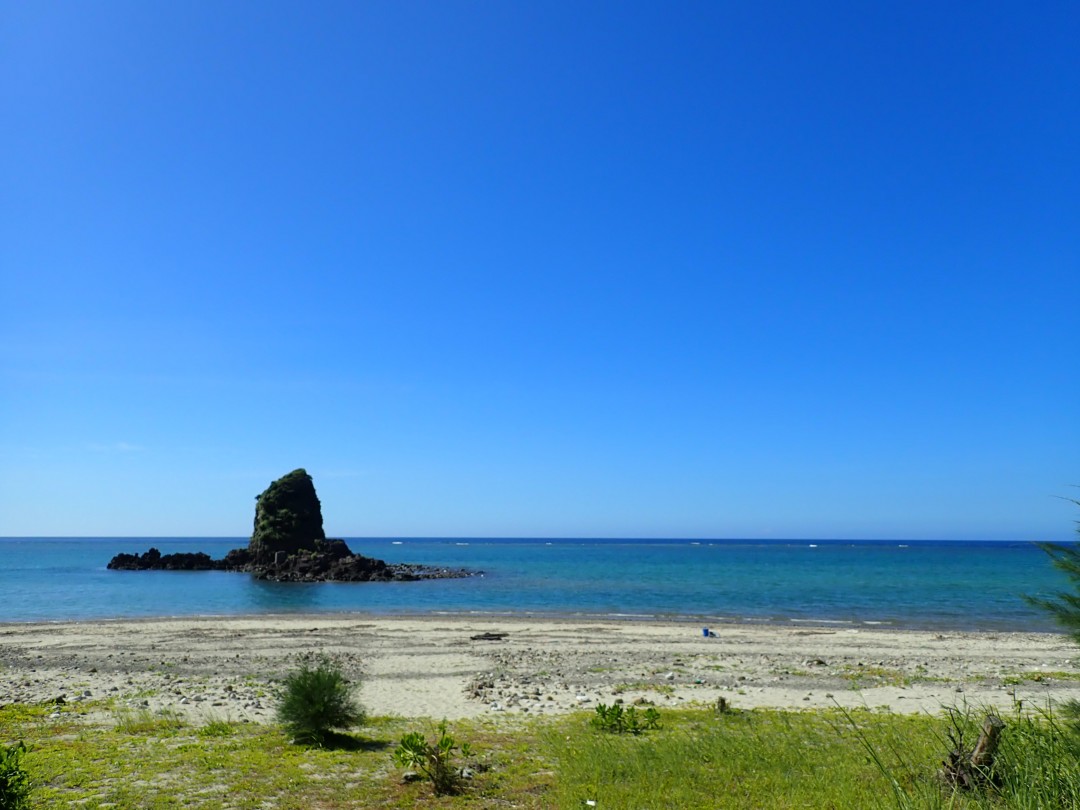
[
  {"x": 288, "y": 544},
  {"x": 288, "y": 519}
]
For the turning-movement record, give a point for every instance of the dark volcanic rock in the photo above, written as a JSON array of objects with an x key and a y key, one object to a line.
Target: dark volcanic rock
[
  {"x": 288, "y": 518},
  {"x": 154, "y": 560},
  {"x": 289, "y": 545},
  {"x": 330, "y": 560}
]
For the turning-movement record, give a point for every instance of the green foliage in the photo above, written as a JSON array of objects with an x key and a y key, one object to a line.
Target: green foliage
[
  {"x": 288, "y": 516},
  {"x": 216, "y": 728},
  {"x": 433, "y": 760},
  {"x": 316, "y": 699},
  {"x": 1063, "y": 605},
  {"x": 144, "y": 721},
  {"x": 1038, "y": 761},
  {"x": 698, "y": 758},
  {"x": 14, "y": 780},
  {"x": 617, "y": 720},
  {"x": 742, "y": 759}
]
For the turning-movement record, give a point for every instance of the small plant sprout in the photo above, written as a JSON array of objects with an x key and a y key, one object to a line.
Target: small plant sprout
[{"x": 434, "y": 760}]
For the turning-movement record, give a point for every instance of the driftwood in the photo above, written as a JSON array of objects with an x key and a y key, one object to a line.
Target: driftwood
[
  {"x": 969, "y": 769},
  {"x": 489, "y": 637},
  {"x": 986, "y": 747}
]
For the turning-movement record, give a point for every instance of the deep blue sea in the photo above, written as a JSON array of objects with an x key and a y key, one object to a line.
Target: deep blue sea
[{"x": 920, "y": 584}]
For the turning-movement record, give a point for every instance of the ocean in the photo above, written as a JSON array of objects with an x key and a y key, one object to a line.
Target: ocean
[{"x": 915, "y": 584}]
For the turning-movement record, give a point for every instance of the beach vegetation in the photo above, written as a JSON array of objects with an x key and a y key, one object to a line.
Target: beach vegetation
[
  {"x": 862, "y": 677},
  {"x": 436, "y": 759},
  {"x": 618, "y": 719},
  {"x": 1063, "y": 605},
  {"x": 216, "y": 727},
  {"x": 868, "y": 677},
  {"x": 644, "y": 686},
  {"x": 316, "y": 699},
  {"x": 144, "y": 722},
  {"x": 14, "y": 778},
  {"x": 1015, "y": 679},
  {"x": 697, "y": 758}
]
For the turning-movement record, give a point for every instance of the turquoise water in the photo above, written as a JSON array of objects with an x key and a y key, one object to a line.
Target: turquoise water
[{"x": 916, "y": 584}]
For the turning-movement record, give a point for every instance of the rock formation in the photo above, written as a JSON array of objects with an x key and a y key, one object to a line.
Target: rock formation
[
  {"x": 288, "y": 518},
  {"x": 288, "y": 544},
  {"x": 155, "y": 560}
]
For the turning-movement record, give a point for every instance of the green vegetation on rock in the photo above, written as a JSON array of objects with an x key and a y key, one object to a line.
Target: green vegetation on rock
[{"x": 288, "y": 517}]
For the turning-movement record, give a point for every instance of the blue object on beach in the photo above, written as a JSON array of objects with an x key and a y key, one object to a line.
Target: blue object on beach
[{"x": 705, "y": 632}]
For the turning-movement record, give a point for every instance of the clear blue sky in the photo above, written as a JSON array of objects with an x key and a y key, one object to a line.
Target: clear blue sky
[{"x": 702, "y": 269}]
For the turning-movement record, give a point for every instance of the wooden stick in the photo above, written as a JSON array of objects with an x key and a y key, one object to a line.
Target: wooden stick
[{"x": 983, "y": 755}]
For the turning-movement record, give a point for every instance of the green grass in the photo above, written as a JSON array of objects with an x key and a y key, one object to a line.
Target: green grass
[
  {"x": 145, "y": 723},
  {"x": 697, "y": 758},
  {"x": 1039, "y": 677},
  {"x": 862, "y": 677}
]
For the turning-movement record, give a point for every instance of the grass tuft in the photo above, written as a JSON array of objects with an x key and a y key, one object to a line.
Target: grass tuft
[{"x": 145, "y": 722}]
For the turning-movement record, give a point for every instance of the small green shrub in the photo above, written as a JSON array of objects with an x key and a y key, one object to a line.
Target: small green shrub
[
  {"x": 433, "y": 760},
  {"x": 145, "y": 722},
  {"x": 14, "y": 780},
  {"x": 316, "y": 699},
  {"x": 216, "y": 728},
  {"x": 618, "y": 720}
]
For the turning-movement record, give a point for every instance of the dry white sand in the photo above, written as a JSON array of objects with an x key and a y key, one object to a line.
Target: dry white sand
[{"x": 228, "y": 668}]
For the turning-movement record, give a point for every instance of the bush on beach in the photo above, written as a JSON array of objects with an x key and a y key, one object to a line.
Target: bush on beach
[
  {"x": 316, "y": 699},
  {"x": 1063, "y": 605},
  {"x": 14, "y": 780}
]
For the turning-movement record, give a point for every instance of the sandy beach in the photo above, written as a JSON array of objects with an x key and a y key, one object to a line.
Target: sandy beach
[{"x": 227, "y": 668}]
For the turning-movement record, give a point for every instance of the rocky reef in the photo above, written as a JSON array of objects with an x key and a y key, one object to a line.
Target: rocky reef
[{"x": 288, "y": 544}]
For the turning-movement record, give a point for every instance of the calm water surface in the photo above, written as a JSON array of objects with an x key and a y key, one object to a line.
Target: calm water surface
[{"x": 916, "y": 584}]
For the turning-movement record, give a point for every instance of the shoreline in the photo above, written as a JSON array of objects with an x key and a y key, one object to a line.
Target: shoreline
[
  {"x": 430, "y": 666},
  {"x": 1044, "y": 627}
]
